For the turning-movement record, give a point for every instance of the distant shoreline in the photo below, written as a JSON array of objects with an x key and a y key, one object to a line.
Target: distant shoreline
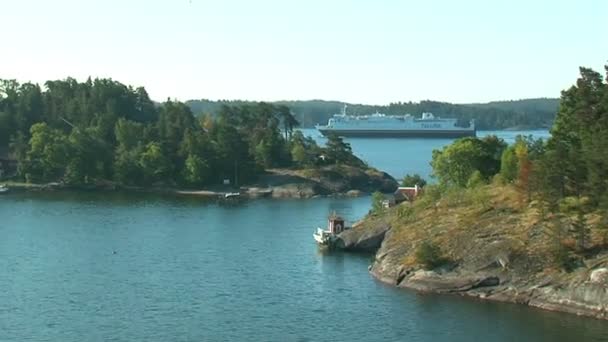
[{"x": 339, "y": 180}]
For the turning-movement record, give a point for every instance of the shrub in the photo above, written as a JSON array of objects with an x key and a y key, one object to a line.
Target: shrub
[
  {"x": 377, "y": 198},
  {"x": 430, "y": 196},
  {"x": 429, "y": 255},
  {"x": 563, "y": 258},
  {"x": 475, "y": 180},
  {"x": 412, "y": 180}
]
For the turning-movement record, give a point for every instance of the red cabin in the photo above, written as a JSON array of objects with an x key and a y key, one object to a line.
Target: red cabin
[{"x": 336, "y": 224}]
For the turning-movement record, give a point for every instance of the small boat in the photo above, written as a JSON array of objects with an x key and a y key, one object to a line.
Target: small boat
[
  {"x": 3, "y": 189},
  {"x": 232, "y": 195},
  {"x": 326, "y": 237},
  {"x": 323, "y": 237}
]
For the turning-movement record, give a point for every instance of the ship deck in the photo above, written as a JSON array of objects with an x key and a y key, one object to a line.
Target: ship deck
[{"x": 384, "y": 133}]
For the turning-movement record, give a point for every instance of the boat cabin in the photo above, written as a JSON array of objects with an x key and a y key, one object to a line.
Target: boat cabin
[{"x": 335, "y": 224}]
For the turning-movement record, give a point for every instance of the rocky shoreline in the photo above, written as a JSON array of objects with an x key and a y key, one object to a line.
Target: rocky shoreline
[
  {"x": 489, "y": 270},
  {"x": 585, "y": 294},
  {"x": 338, "y": 180}
]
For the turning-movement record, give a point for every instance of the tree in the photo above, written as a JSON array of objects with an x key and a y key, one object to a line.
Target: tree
[
  {"x": 90, "y": 157},
  {"x": 412, "y": 180},
  {"x": 128, "y": 133},
  {"x": 47, "y": 156},
  {"x": 429, "y": 255},
  {"x": 576, "y": 151},
  {"x": 377, "y": 199},
  {"x": 576, "y": 207},
  {"x": 304, "y": 150},
  {"x": 5, "y": 128},
  {"x": 525, "y": 167},
  {"x": 80, "y": 132},
  {"x": 127, "y": 169},
  {"x": 154, "y": 164},
  {"x": 508, "y": 165},
  {"x": 196, "y": 170},
  {"x": 339, "y": 152},
  {"x": 299, "y": 155},
  {"x": 288, "y": 119},
  {"x": 475, "y": 180},
  {"x": 234, "y": 159},
  {"x": 455, "y": 163}
]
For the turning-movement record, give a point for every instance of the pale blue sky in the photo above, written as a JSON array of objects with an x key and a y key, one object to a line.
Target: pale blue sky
[{"x": 359, "y": 51}]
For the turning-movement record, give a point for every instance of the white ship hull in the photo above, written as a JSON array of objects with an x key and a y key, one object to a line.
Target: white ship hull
[
  {"x": 381, "y": 125},
  {"x": 398, "y": 133}
]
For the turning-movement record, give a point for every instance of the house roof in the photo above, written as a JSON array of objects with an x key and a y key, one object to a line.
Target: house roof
[{"x": 406, "y": 193}]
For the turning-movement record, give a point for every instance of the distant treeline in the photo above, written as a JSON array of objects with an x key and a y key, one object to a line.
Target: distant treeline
[
  {"x": 102, "y": 130},
  {"x": 522, "y": 114}
]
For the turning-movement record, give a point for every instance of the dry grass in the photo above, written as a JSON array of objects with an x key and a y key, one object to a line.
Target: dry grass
[{"x": 474, "y": 226}]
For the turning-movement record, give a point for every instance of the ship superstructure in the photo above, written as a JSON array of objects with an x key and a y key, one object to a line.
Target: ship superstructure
[{"x": 381, "y": 125}]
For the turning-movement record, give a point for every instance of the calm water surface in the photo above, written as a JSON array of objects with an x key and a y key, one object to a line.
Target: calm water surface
[
  {"x": 399, "y": 156},
  {"x": 109, "y": 267},
  {"x": 112, "y": 267}
]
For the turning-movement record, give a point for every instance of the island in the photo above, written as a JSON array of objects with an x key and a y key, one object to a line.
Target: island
[{"x": 103, "y": 135}]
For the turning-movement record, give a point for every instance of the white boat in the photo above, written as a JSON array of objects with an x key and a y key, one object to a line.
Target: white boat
[
  {"x": 232, "y": 195},
  {"x": 326, "y": 237},
  {"x": 323, "y": 237},
  {"x": 3, "y": 189},
  {"x": 382, "y": 125}
]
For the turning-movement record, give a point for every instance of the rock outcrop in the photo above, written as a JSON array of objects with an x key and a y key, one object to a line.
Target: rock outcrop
[
  {"x": 362, "y": 239},
  {"x": 494, "y": 251},
  {"x": 328, "y": 180}
]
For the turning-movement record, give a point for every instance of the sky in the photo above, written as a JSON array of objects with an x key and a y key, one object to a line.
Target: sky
[{"x": 373, "y": 52}]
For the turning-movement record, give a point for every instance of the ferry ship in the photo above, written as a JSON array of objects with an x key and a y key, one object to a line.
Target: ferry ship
[{"x": 381, "y": 125}]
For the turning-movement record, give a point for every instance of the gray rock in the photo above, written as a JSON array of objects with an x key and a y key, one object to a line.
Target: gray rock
[
  {"x": 354, "y": 193},
  {"x": 430, "y": 281},
  {"x": 362, "y": 240},
  {"x": 599, "y": 276}
]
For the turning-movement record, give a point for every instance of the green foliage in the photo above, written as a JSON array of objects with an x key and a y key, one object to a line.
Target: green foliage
[
  {"x": 196, "y": 170},
  {"x": 128, "y": 133},
  {"x": 377, "y": 199},
  {"x": 89, "y": 159},
  {"x": 582, "y": 231},
  {"x": 480, "y": 197},
  {"x": 299, "y": 155},
  {"x": 339, "y": 152},
  {"x": 429, "y": 255},
  {"x": 304, "y": 150},
  {"x": 508, "y": 165},
  {"x": 5, "y": 128},
  {"x": 562, "y": 257},
  {"x": 48, "y": 154},
  {"x": 103, "y": 130},
  {"x": 475, "y": 180},
  {"x": 127, "y": 169},
  {"x": 154, "y": 164},
  {"x": 530, "y": 113},
  {"x": 456, "y": 163},
  {"x": 412, "y": 180},
  {"x": 405, "y": 212},
  {"x": 431, "y": 195},
  {"x": 577, "y": 152}
]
